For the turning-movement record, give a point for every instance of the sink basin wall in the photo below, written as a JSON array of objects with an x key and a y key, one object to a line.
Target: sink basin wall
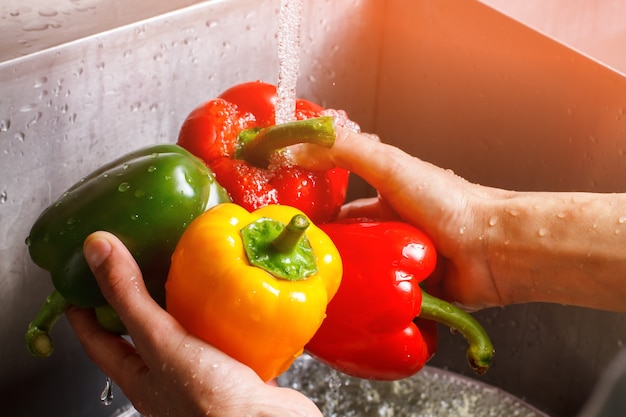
[{"x": 453, "y": 82}]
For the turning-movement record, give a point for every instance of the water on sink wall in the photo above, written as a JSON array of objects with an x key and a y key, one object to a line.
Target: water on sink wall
[
  {"x": 453, "y": 82},
  {"x": 66, "y": 110},
  {"x": 503, "y": 105}
]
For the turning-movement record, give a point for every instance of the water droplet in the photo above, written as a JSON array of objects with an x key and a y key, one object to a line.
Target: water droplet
[
  {"x": 3, "y": 197},
  {"x": 123, "y": 187},
  {"x": 134, "y": 216},
  {"x": 106, "y": 397},
  {"x": 28, "y": 107},
  {"x": 48, "y": 12},
  {"x": 135, "y": 106},
  {"x": 40, "y": 82},
  {"x": 5, "y": 125},
  {"x": 462, "y": 230},
  {"x": 34, "y": 119},
  {"x": 560, "y": 215},
  {"x": 21, "y": 136},
  {"x": 621, "y": 220},
  {"x": 36, "y": 26},
  {"x": 152, "y": 168},
  {"x": 493, "y": 221},
  {"x": 514, "y": 212},
  {"x": 542, "y": 232}
]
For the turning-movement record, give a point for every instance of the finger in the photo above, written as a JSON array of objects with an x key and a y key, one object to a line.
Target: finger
[
  {"x": 371, "y": 208},
  {"x": 121, "y": 283},
  {"x": 363, "y": 207},
  {"x": 387, "y": 168},
  {"x": 116, "y": 357},
  {"x": 418, "y": 191}
]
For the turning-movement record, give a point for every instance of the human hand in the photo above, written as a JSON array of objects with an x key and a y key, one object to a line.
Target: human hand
[
  {"x": 166, "y": 371},
  {"x": 448, "y": 208},
  {"x": 496, "y": 247}
]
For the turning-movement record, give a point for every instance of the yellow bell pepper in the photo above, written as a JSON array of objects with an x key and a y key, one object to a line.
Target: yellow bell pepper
[{"x": 254, "y": 285}]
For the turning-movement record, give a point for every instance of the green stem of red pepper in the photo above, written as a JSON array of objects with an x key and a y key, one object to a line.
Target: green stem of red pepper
[
  {"x": 256, "y": 146},
  {"x": 480, "y": 350},
  {"x": 38, "y": 339}
]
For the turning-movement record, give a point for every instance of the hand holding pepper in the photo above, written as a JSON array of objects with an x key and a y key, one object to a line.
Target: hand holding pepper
[
  {"x": 497, "y": 247},
  {"x": 163, "y": 375},
  {"x": 381, "y": 324},
  {"x": 453, "y": 212},
  {"x": 146, "y": 197},
  {"x": 255, "y": 285}
]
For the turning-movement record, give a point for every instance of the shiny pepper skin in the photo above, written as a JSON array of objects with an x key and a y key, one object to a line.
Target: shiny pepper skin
[
  {"x": 248, "y": 312},
  {"x": 370, "y": 330}
]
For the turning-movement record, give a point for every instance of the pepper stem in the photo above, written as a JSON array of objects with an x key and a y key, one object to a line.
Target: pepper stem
[
  {"x": 256, "y": 146},
  {"x": 288, "y": 239},
  {"x": 38, "y": 340},
  {"x": 480, "y": 350},
  {"x": 281, "y": 250}
]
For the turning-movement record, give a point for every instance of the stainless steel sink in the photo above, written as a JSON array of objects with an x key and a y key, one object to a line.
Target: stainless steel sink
[{"x": 453, "y": 82}]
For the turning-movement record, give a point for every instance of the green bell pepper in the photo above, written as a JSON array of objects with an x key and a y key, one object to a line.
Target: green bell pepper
[{"x": 146, "y": 198}]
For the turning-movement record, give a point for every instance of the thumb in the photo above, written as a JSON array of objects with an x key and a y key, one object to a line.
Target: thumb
[
  {"x": 122, "y": 285},
  {"x": 117, "y": 274}
]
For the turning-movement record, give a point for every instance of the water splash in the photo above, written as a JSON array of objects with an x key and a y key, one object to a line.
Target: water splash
[
  {"x": 289, "y": 22},
  {"x": 432, "y": 392}
]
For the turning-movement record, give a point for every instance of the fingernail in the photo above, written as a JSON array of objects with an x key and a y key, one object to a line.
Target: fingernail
[{"x": 96, "y": 250}]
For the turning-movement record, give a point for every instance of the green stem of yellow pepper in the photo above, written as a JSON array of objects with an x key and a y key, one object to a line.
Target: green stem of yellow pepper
[
  {"x": 281, "y": 250},
  {"x": 288, "y": 239}
]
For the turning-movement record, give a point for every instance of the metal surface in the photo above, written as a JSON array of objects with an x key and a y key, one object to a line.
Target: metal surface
[
  {"x": 30, "y": 26},
  {"x": 592, "y": 27},
  {"x": 451, "y": 81},
  {"x": 68, "y": 109},
  {"x": 432, "y": 392}
]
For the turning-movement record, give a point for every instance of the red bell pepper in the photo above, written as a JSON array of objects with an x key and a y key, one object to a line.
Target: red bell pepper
[
  {"x": 380, "y": 324},
  {"x": 237, "y": 137}
]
